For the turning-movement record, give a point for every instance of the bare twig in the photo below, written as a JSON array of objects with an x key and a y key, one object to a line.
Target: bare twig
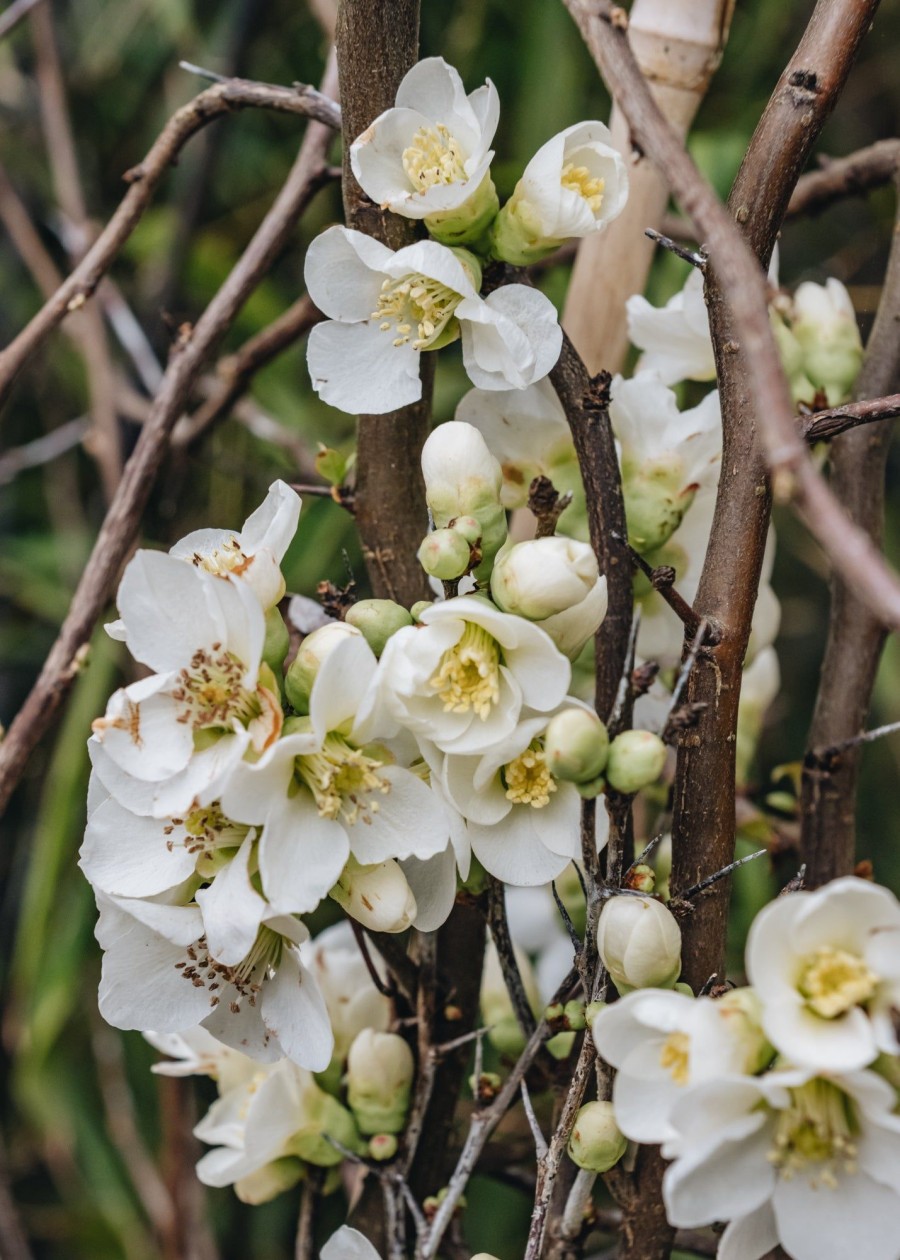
[
  {"x": 689, "y": 255},
  {"x": 662, "y": 579},
  {"x": 43, "y": 449},
  {"x": 512, "y": 977},
  {"x": 121, "y": 524},
  {"x": 306, "y": 1219},
  {"x": 696, "y": 889},
  {"x": 845, "y": 177},
  {"x": 685, "y": 672},
  {"x": 13, "y": 15},
  {"x": 540, "y": 1142},
  {"x": 821, "y": 426},
  {"x": 867, "y": 737},
  {"x": 216, "y": 101}
]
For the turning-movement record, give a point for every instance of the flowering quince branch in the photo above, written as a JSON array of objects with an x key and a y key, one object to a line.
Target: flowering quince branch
[{"x": 695, "y": 259}]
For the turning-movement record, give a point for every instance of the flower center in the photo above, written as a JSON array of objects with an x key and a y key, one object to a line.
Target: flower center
[
  {"x": 674, "y": 1056},
  {"x": 469, "y": 673},
  {"x": 342, "y": 779},
  {"x": 211, "y": 691},
  {"x": 418, "y": 302},
  {"x": 222, "y": 560},
  {"x": 817, "y": 1129},
  {"x": 245, "y": 979},
  {"x": 434, "y": 157},
  {"x": 206, "y": 830},
  {"x": 527, "y": 779},
  {"x": 834, "y": 981},
  {"x": 578, "y": 179}
]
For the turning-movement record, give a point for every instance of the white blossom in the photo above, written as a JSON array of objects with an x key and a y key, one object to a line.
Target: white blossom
[
  {"x": 334, "y": 959},
  {"x": 462, "y": 677},
  {"x": 675, "y": 338},
  {"x": 810, "y": 1162},
  {"x": 349, "y": 1244},
  {"x": 254, "y": 553},
  {"x": 431, "y": 153},
  {"x": 384, "y": 308},
  {"x": 639, "y": 943},
  {"x": 826, "y": 965},
  {"x": 824, "y": 325}
]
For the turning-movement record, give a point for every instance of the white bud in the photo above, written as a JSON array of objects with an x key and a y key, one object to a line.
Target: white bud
[
  {"x": 376, "y": 896},
  {"x": 636, "y": 759},
  {"x": 377, "y": 620},
  {"x": 380, "y": 1071},
  {"x": 597, "y": 1143},
  {"x": 445, "y": 554},
  {"x": 825, "y": 326},
  {"x": 555, "y": 582},
  {"x": 313, "y": 650},
  {"x": 742, "y": 1011},
  {"x": 463, "y": 479},
  {"x": 576, "y": 745},
  {"x": 639, "y": 943},
  {"x": 469, "y": 527}
]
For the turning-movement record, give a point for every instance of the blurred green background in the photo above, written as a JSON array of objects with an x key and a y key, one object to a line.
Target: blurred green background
[{"x": 82, "y": 1115}]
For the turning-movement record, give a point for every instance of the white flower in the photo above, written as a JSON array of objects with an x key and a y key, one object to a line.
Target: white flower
[
  {"x": 353, "y": 1002},
  {"x": 666, "y": 455},
  {"x": 180, "y": 732},
  {"x": 462, "y": 677},
  {"x": 639, "y": 943},
  {"x": 812, "y": 1163},
  {"x": 824, "y": 324},
  {"x": 254, "y": 553},
  {"x": 249, "y": 989},
  {"x": 321, "y": 792},
  {"x": 527, "y": 430},
  {"x": 675, "y": 338},
  {"x": 384, "y": 308},
  {"x": 380, "y": 1073},
  {"x": 556, "y": 583},
  {"x": 431, "y": 153},
  {"x": 827, "y": 967},
  {"x": 574, "y": 185},
  {"x": 463, "y": 479},
  {"x": 523, "y": 825},
  {"x": 663, "y": 1042},
  {"x": 195, "y": 1052},
  {"x": 348, "y": 1244}
]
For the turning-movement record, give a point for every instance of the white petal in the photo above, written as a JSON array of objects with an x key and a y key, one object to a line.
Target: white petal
[
  {"x": 274, "y": 523},
  {"x": 348, "y": 1244},
  {"x": 356, "y": 368},
  {"x": 344, "y": 271},
  {"x": 730, "y": 1178},
  {"x": 132, "y": 856},
  {"x": 167, "y": 615},
  {"x": 750, "y": 1237},
  {"x": 343, "y": 677},
  {"x": 232, "y": 909},
  {"x": 294, "y": 1011},
  {"x": 859, "y": 1218},
  {"x": 409, "y": 822},
  {"x": 300, "y": 855},
  {"x": 433, "y": 883},
  {"x": 512, "y": 851},
  {"x": 512, "y": 339},
  {"x": 843, "y": 1044}
]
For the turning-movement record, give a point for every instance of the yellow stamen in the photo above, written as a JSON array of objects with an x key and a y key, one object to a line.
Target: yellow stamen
[
  {"x": 222, "y": 560},
  {"x": 342, "y": 779},
  {"x": 834, "y": 981},
  {"x": 527, "y": 779},
  {"x": 815, "y": 1136},
  {"x": 434, "y": 157},
  {"x": 579, "y": 179},
  {"x": 415, "y": 302},
  {"x": 469, "y": 673},
  {"x": 674, "y": 1056}
]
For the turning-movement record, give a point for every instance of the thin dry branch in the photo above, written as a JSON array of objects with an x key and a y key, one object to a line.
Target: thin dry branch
[
  {"x": 12, "y": 16},
  {"x": 849, "y": 176},
  {"x": 822, "y": 426},
  {"x": 216, "y": 101},
  {"x": 189, "y": 355}
]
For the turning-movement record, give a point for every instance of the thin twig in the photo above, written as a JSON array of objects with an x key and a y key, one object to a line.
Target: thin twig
[
  {"x": 540, "y": 1142},
  {"x": 43, "y": 449},
  {"x": 117, "y": 533},
  {"x": 685, "y": 672},
  {"x": 622, "y": 695},
  {"x": 865, "y": 737},
  {"x": 696, "y": 889},
  {"x": 12, "y": 16},
  {"x": 662, "y": 579},
  {"x": 695, "y": 259},
  {"x": 216, "y": 101},
  {"x": 512, "y": 977},
  {"x": 821, "y": 426},
  {"x": 306, "y": 1220},
  {"x": 386, "y": 990}
]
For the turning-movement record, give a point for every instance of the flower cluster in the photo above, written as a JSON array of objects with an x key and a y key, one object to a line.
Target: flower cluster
[
  {"x": 777, "y": 1104},
  {"x": 428, "y": 159}
]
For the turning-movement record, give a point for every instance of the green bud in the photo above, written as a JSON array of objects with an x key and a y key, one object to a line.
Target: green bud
[
  {"x": 469, "y": 527},
  {"x": 636, "y": 759},
  {"x": 655, "y": 502},
  {"x": 590, "y": 791},
  {"x": 574, "y": 1014},
  {"x": 324, "y": 1116},
  {"x": 682, "y": 987},
  {"x": 516, "y": 235},
  {"x": 826, "y": 329},
  {"x": 596, "y": 1143},
  {"x": 591, "y": 1011},
  {"x": 277, "y": 641},
  {"x": 383, "y": 1146},
  {"x": 377, "y": 620},
  {"x": 468, "y": 223},
  {"x": 301, "y": 675},
  {"x": 269, "y": 1181},
  {"x": 576, "y": 745},
  {"x": 741, "y": 1010},
  {"x": 377, "y": 896},
  {"x": 445, "y": 554},
  {"x": 554, "y": 1013},
  {"x": 641, "y": 878},
  {"x": 419, "y": 607},
  {"x": 380, "y": 1071},
  {"x": 485, "y": 1087}
]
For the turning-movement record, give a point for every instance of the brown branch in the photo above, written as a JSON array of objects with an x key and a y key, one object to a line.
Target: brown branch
[
  {"x": 845, "y": 177},
  {"x": 855, "y": 638},
  {"x": 662, "y": 579},
  {"x": 822, "y": 426},
  {"x": 498, "y": 926},
  {"x": 121, "y": 524},
  {"x": 12, "y": 16},
  {"x": 216, "y": 101},
  {"x": 377, "y": 44}
]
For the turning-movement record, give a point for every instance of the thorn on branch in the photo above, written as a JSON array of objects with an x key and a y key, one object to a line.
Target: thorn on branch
[
  {"x": 696, "y": 889},
  {"x": 695, "y": 258}
]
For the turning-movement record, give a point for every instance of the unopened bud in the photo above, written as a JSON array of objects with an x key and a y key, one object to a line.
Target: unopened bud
[
  {"x": 419, "y": 607},
  {"x": 741, "y": 1012},
  {"x": 277, "y": 641},
  {"x": 825, "y": 326},
  {"x": 636, "y": 759},
  {"x": 656, "y": 500},
  {"x": 377, "y": 896},
  {"x": 301, "y": 675},
  {"x": 469, "y": 527},
  {"x": 327, "y": 1126},
  {"x": 380, "y": 1071},
  {"x": 383, "y": 1146},
  {"x": 463, "y": 479},
  {"x": 485, "y": 1087},
  {"x": 640, "y": 878},
  {"x": 269, "y": 1181},
  {"x": 591, "y": 1011},
  {"x": 555, "y": 582},
  {"x": 445, "y": 554},
  {"x": 639, "y": 943},
  {"x": 574, "y": 1014},
  {"x": 596, "y": 1143},
  {"x": 377, "y": 620},
  {"x": 576, "y": 745}
]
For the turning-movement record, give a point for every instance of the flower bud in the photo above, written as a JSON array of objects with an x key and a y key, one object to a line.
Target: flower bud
[
  {"x": 382, "y": 1146},
  {"x": 641, "y": 878},
  {"x": 269, "y": 1181},
  {"x": 469, "y": 527},
  {"x": 825, "y": 326},
  {"x": 462, "y": 478},
  {"x": 420, "y": 606},
  {"x": 592, "y": 1010},
  {"x": 555, "y": 582},
  {"x": 468, "y": 222},
  {"x": 596, "y": 1143},
  {"x": 380, "y": 1071},
  {"x": 376, "y": 896},
  {"x": 576, "y": 745},
  {"x": 324, "y": 1118},
  {"x": 277, "y": 641},
  {"x": 313, "y": 650},
  {"x": 639, "y": 943},
  {"x": 636, "y": 759},
  {"x": 741, "y": 1010},
  {"x": 377, "y": 620},
  {"x": 574, "y": 1015},
  {"x": 445, "y": 554},
  {"x": 656, "y": 500}
]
